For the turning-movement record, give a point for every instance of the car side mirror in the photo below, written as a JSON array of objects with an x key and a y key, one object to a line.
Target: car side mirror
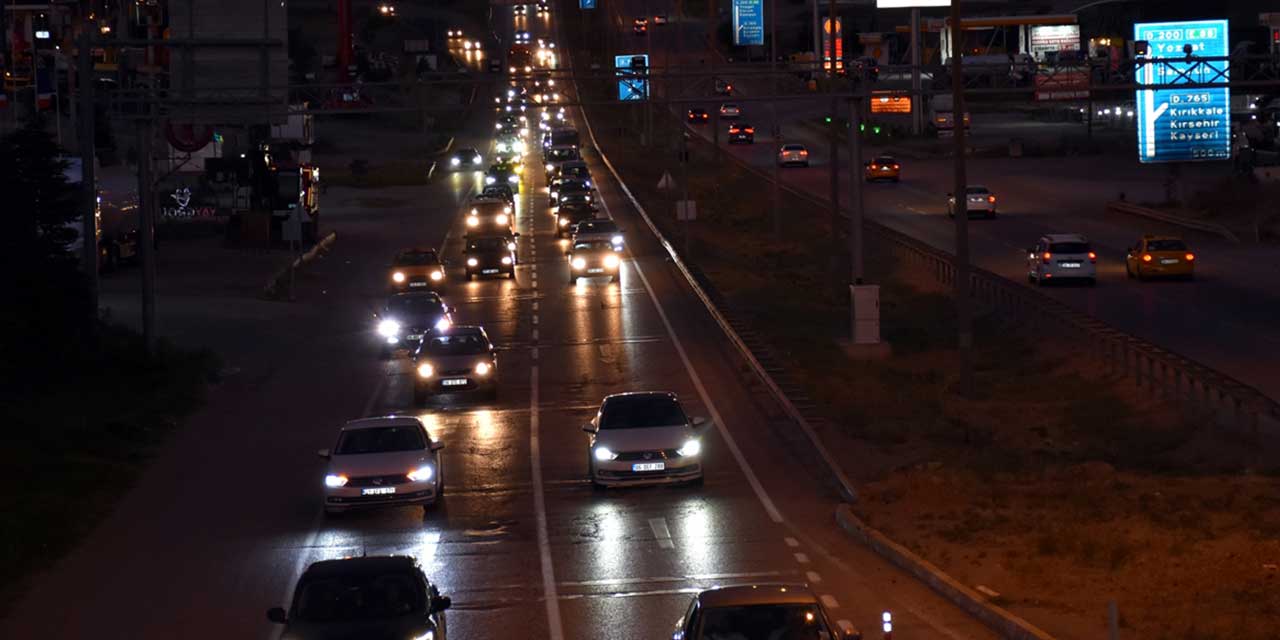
[
  {"x": 441, "y": 603},
  {"x": 589, "y": 428},
  {"x": 698, "y": 421},
  {"x": 436, "y": 445},
  {"x": 324, "y": 453},
  {"x": 277, "y": 615}
]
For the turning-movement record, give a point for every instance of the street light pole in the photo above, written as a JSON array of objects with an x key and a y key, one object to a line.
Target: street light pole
[
  {"x": 833, "y": 114},
  {"x": 88, "y": 177},
  {"x": 774, "y": 129},
  {"x": 964, "y": 313}
]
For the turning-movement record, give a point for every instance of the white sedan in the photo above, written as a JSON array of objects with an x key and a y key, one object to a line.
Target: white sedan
[
  {"x": 730, "y": 110},
  {"x": 979, "y": 201},
  {"x": 643, "y": 438},
  {"x": 387, "y": 461}
]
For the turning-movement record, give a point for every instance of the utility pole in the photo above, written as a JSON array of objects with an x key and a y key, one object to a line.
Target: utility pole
[
  {"x": 856, "y": 179},
  {"x": 88, "y": 176},
  {"x": 917, "y": 96},
  {"x": 774, "y": 129},
  {"x": 648, "y": 83},
  {"x": 833, "y": 113},
  {"x": 147, "y": 234},
  {"x": 964, "y": 313},
  {"x": 817, "y": 38}
]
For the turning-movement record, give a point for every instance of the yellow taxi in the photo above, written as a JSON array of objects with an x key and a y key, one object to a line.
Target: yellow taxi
[
  {"x": 883, "y": 168},
  {"x": 1160, "y": 257},
  {"x": 416, "y": 270}
]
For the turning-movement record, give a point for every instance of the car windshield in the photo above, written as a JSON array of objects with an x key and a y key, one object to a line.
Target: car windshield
[
  {"x": 597, "y": 226},
  {"x": 762, "y": 622},
  {"x": 359, "y": 597},
  {"x": 640, "y": 412},
  {"x": 415, "y": 305},
  {"x": 600, "y": 245},
  {"x": 561, "y": 154},
  {"x": 467, "y": 152},
  {"x": 1069, "y": 247},
  {"x": 573, "y": 185},
  {"x": 977, "y": 191},
  {"x": 458, "y": 344},
  {"x": 793, "y": 147},
  {"x": 493, "y": 243},
  {"x": 1166, "y": 245},
  {"x": 488, "y": 208},
  {"x": 417, "y": 258},
  {"x": 380, "y": 440},
  {"x": 564, "y": 138}
]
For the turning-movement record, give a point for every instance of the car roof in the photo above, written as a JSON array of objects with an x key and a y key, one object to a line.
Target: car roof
[
  {"x": 465, "y": 149},
  {"x": 417, "y": 251},
  {"x": 1065, "y": 237},
  {"x": 757, "y": 594},
  {"x": 637, "y": 394},
  {"x": 977, "y": 186},
  {"x": 361, "y": 565},
  {"x": 404, "y": 295},
  {"x": 1161, "y": 237},
  {"x": 463, "y": 329},
  {"x": 382, "y": 421},
  {"x": 793, "y": 145}
]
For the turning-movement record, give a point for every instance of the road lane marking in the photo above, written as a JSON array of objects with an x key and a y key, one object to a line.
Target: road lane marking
[
  {"x": 791, "y": 542},
  {"x": 535, "y": 319},
  {"x": 829, "y": 601},
  {"x": 535, "y": 335},
  {"x": 540, "y": 508},
  {"x": 812, "y": 576},
  {"x": 535, "y": 305},
  {"x": 662, "y": 533},
  {"x": 802, "y": 558}
]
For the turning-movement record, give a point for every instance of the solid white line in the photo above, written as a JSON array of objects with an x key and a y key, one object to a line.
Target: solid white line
[
  {"x": 535, "y": 305},
  {"x": 813, "y": 577},
  {"x": 764, "y": 498},
  {"x": 540, "y": 508},
  {"x": 535, "y": 319},
  {"x": 662, "y": 533},
  {"x": 802, "y": 558},
  {"x": 829, "y": 601},
  {"x": 535, "y": 335},
  {"x": 791, "y": 542}
]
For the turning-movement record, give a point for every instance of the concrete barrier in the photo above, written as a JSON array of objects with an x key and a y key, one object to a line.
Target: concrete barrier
[
  {"x": 975, "y": 604},
  {"x": 278, "y": 283},
  {"x": 1116, "y": 206}
]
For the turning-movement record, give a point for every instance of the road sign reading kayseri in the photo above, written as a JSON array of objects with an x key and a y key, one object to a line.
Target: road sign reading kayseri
[
  {"x": 1181, "y": 125},
  {"x": 748, "y": 22},
  {"x": 586, "y": 4},
  {"x": 633, "y": 76}
]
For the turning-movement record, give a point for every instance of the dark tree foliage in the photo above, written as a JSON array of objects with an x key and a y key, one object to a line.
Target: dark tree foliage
[{"x": 46, "y": 316}]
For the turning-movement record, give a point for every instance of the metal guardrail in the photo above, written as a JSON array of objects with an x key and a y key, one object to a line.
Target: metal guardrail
[
  {"x": 1164, "y": 373},
  {"x": 1182, "y": 221}
]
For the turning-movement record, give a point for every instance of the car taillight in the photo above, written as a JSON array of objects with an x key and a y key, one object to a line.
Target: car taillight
[
  {"x": 1146, "y": 257},
  {"x": 1045, "y": 257},
  {"x": 804, "y": 152},
  {"x": 1093, "y": 257},
  {"x": 1190, "y": 257},
  {"x": 895, "y": 166},
  {"x": 991, "y": 199},
  {"x": 751, "y": 130}
]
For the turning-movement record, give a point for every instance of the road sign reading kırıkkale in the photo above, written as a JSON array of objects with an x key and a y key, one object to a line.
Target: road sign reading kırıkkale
[
  {"x": 748, "y": 22},
  {"x": 633, "y": 76},
  {"x": 1180, "y": 125}
]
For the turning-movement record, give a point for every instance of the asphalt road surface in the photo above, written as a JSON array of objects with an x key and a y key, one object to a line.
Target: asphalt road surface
[
  {"x": 230, "y": 514},
  {"x": 1224, "y": 319}
]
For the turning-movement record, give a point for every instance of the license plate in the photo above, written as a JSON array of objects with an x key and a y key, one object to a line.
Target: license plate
[
  {"x": 884, "y": 168},
  {"x": 649, "y": 466},
  {"x": 417, "y": 284},
  {"x": 378, "y": 491},
  {"x": 454, "y": 382},
  {"x": 413, "y": 336},
  {"x": 595, "y": 270},
  {"x": 486, "y": 271},
  {"x": 1069, "y": 265},
  {"x": 1168, "y": 261}
]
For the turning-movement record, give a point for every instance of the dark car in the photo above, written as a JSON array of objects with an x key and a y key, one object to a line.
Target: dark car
[
  {"x": 723, "y": 87},
  {"x": 368, "y": 597},
  {"x": 593, "y": 259},
  {"x": 697, "y": 115},
  {"x": 414, "y": 269},
  {"x": 503, "y": 173},
  {"x": 572, "y": 209},
  {"x": 565, "y": 186},
  {"x": 407, "y": 317},
  {"x": 741, "y": 132},
  {"x": 575, "y": 169},
  {"x": 499, "y": 192},
  {"x": 490, "y": 255},
  {"x": 759, "y": 611},
  {"x": 461, "y": 359},
  {"x": 487, "y": 217},
  {"x": 465, "y": 158}
]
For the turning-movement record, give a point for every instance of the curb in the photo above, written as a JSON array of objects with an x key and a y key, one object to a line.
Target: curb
[
  {"x": 971, "y": 602},
  {"x": 1181, "y": 221},
  {"x": 431, "y": 170},
  {"x": 277, "y": 283}
]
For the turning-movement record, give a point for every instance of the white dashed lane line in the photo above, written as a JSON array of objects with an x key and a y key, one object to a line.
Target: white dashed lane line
[
  {"x": 829, "y": 601},
  {"x": 791, "y": 542},
  {"x": 813, "y": 577},
  {"x": 661, "y": 533},
  {"x": 802, "y": 558}
]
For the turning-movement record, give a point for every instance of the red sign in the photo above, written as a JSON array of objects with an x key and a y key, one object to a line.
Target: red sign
[
  {"x": 1062, "y": 84},
  {"x": 826, "y": 45}
]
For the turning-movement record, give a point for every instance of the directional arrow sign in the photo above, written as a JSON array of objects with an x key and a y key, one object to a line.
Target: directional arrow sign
[
  {"x": 748, "y": 22},
  {"x": 633, "y": 72},
  {"x": 1181, "y": 125},
  {"x": 666, "y": 183}
]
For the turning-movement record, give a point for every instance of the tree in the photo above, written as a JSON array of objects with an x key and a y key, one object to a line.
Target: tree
[{"x": 47, "y": 312}]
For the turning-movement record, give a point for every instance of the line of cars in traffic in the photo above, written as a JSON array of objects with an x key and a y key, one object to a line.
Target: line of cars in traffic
[{"x": 633, "y": 438}]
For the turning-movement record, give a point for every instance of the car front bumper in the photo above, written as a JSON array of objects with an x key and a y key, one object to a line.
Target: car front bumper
[
  {"x": 436, "y": 385},
  {"x": 409, "y": 493},
  {"x": 620, "y": 473}
]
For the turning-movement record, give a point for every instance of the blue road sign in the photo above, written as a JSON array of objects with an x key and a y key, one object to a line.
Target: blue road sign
[
  {"x": 748, "y": 22},
  {"x": 1180, "y": 125},
  {"x": 633, "y": 76},
  {"x": 586, "y": 4}
]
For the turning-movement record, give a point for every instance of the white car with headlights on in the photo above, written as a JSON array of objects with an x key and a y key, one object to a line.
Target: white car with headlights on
[
  {"x": 407, "y": 317},
  {"x": 597, "y": 229},
  {"x": 593, "y": 259},
  {"x": 489, "y": 216},
  {"x": 458, "y": 360},
  {"x": 387, "y": 461},
  {"x": 643, "y": 438}
]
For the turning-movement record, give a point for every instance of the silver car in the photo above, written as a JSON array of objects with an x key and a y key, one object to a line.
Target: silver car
[
  {"x": 387, "y": 461},
  {"x": 459, "y": 359},
  {"x": 643, "y": 438},
  {"x": 759, "y": 611},
  {"x": 979, "y": 201}
]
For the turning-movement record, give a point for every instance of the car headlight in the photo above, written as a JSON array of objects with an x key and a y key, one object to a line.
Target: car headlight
[
  {"x": 511, "y": 246},
  {"x": 478, "y": 159},
  {"x": 691, "y": 447},
  {"x": 443, "y": 324},
  {"x": 490, "y": 179},
  {"x": 502, "y": 147},
  {"x": 455, "y": 161},
  {"x": 472, "y": 221},
  {"x": 616, "y": 239},
  {"x": 335, "y": 481},
  {"x": 501, "y": 218},
  {"x": 483, "y": 369},
  {"x": 425, "y": 370},
  {"x": 471, "y": 262},
  {"x": 388, "y": 328},
  {"x": 437, "y": 275},
  {"x": 579, "y": 263},
  {"x": 611, "y": 261},
  {"x": 422, "y": 474},
  {"x": 564, "y": 222},
  {"x": 506, "y": 209},
  {"x": 506, "y": 260},
  {"x": 603, "y": 454},
  {"x": 512, "y": 179},
  {"x": 398, "y": 276},
  {"x": 429, "y": 635}
]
